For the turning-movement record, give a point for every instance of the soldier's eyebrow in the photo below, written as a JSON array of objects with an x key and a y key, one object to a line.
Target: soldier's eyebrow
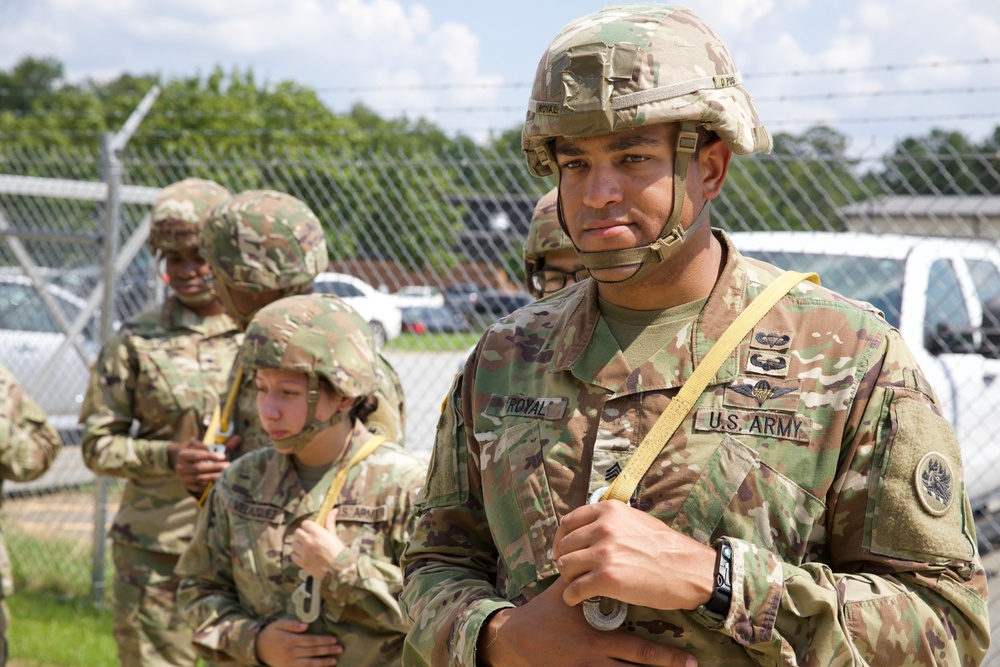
[
  {"x": 627, "y": 143},
  {"x": 567, "y": 148}
]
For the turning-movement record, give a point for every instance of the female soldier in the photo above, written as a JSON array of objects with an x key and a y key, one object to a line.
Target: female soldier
[
  {"x": 155, "y": 383},
  {"x": 271, "y": 577}
]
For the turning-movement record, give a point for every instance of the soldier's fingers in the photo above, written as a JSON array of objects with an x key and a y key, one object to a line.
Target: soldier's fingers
[
  {"x": 234, "y": 442},
  {"x": 578, "y": 518},
  {"x": 642, "y": 652},
  {"x": 312, "y": 645},
  {"x": 289, "y": 625},
  {"x": 331, "y": 520}
]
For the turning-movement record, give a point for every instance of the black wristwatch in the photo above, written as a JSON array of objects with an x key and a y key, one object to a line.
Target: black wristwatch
[{"x": 722, "y": 596}]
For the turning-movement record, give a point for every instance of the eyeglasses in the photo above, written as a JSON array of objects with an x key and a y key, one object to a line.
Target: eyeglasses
[{"x": 547, "y": 281}]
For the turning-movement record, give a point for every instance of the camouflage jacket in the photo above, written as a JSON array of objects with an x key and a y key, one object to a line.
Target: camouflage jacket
[
  {"x": 818, "y": 450},
  {"x": 237, "y": 575},
  {"x": 164, "y": 371},
  {"x": 28, "y": 446},
  {"x": 388, "y": 419}
]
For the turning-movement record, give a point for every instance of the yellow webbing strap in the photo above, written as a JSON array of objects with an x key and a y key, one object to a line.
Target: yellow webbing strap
[
  {"x": 625, "y": 484},
  {"x": 219, "y": 430},
  {"x": 227, "y": 412},
  {"x": 338, "y": 482}
]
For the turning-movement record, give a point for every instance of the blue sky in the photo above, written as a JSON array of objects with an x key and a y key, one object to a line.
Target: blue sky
[{"x": 877, "y": 70}]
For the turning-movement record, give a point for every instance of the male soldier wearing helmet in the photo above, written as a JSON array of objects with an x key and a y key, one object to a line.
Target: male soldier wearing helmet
[
  {"x": 804, "y": 504},
  {"x": 164, "y": 371},
  {"x": 262, "y": 246},
  {"x": 311, "y": 359},
  {"x": 550, "y": 260}
]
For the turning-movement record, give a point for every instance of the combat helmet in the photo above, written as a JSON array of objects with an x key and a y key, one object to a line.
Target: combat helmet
[
  {"x": 175, "y": 224},
  {"x": 262, "y": 240},
  {"x": 545, "y": 235},
  {"x": 178, "y": 211},
  {"x": 629, "y": 66},
  {"x": 318, "y": 335}
]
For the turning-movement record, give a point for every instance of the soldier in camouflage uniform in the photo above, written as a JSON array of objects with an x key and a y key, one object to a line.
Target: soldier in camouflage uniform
[
  {"x": 550, "y": 260},
  {"x": 28, "y": 446},
  {"x": 265, "y": 245},
  {"x": 153, "y": 389},
  {"x": 259, "y": 531},
  {"x": 809, "y": 510}
]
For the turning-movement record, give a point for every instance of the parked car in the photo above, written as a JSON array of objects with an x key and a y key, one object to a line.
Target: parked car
[
  {"x": 491, "y": 305},
  {"x": 415, "y": 296},
  {"x": 30, "y": 347},
  {"x": 381, "y": 310},
  {"x": 462, "y": 296},
  {"x": 936, "y": 291},
  {"x": 430, "y": 319}
]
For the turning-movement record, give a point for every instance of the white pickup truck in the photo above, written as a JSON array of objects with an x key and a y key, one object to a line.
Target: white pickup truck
[{"x": 936, "y": 291}]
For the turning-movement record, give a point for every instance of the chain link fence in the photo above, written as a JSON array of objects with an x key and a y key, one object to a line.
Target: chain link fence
[{"x": 449, "y": 224}]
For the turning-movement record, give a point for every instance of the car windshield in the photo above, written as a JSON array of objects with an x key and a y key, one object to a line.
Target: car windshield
[
  {"x": 22, "y": 309},
  {"x": 877, "y": 280}
]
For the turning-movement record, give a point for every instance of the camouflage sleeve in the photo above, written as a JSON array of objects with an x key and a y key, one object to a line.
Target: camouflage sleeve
[
  {"x": 206, "y": 595},
  {"x": 450, "y": 562},
  {"x": 28, "y": 445},
  {"x": 107, "y": 413},
  {"x": 372, "y": 583},
  {"x": 903, "y": 583}
]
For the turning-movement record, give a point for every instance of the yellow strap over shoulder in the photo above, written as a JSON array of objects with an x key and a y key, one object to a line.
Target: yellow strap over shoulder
[
  {"x": 625, "y": 484},
  {"x": 338, "y": 482}
]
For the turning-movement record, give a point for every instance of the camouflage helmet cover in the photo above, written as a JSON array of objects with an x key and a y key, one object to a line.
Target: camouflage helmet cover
[
  {"x": 264, "y": 240},
  {"x": 178, "y": 211},
  {"x": 545, "y": 235},
  {"x": 315, "y": 334},
  {"x": 634, "y": 65}
]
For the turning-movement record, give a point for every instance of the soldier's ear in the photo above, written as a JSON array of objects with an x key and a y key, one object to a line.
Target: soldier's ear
[{"x": 712, "y": 164}]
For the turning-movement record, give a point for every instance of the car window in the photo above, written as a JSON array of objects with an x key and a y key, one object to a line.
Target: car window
[
  {"x": 986, "y": 277},
  {"x": 338, "y": 288},
  {"x": 877, "y": 280},
  {"x": 21, "y": 309},
  {"x": 946, "y": 307}
]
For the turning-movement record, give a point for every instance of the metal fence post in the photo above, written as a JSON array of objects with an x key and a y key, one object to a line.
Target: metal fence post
[
  {"x": 112, "y": 171},
  {"x": 112, "y": 145}
]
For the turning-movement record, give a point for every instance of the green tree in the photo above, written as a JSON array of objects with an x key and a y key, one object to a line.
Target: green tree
[{"x": 799, "y": 186}]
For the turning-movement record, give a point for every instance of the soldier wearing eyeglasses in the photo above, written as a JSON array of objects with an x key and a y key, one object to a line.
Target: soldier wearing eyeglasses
[{"x": 550, "y": 260}]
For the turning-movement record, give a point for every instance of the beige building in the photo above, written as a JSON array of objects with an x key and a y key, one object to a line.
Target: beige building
[{"x": 965, "y": 216}]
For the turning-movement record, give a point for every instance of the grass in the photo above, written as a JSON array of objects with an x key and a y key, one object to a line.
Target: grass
[
  {"x": 54, "y": 622},
  {"x": 48, "y": 632},
  {"x": 433, "y": 342}
]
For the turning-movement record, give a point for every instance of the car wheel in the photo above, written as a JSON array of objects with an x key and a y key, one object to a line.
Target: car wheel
[{"x": 378, "y": 333}]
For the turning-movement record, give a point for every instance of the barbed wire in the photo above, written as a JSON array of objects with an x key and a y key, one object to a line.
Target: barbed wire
[{"x": 488, "y": 85}]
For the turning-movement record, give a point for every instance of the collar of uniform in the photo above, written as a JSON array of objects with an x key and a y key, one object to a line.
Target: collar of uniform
[
  {"x": 584, "y": 345},
  {"x": 279, "y": 485},
  {"x": 178, "y": 316}
]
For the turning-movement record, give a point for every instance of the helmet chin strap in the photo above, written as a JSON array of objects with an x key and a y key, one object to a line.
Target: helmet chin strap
[
  {"x": 202, "y": 298},
  {"x": 314, "y": 426},
  {"x": 645, "y": 258},
  {"x": 227, "y": 300}
]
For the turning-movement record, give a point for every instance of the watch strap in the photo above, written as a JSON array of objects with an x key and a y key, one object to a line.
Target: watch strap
[{"x": 722, "y": 596}]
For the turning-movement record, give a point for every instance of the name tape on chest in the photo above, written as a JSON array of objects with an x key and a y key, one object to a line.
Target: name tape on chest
[
  {"x": 755, "y": 423},
  {"x": 362, "y": 513},
  {"x": 256, "y": 511},
  {"x": 538, "y": 407}
]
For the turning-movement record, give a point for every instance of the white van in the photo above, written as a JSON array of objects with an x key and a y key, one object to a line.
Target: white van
[{"x": 935, "y": 291}]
